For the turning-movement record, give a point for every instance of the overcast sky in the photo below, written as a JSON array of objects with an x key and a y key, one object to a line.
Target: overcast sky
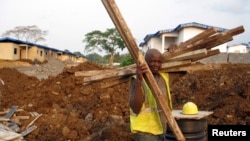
[{"x": 67, "y": 21}]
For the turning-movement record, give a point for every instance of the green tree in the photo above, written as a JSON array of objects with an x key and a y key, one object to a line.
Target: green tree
[
  {"x": 27, "y": 33},
  {"x": 117, "y": 57},
  {"x": 127, "y": 60},
  {"x": 109, "y": 41},
  {"x": 94, "y": 57}
]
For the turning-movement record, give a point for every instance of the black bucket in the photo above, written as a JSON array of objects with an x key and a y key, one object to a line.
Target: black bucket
[
  {"x": 192, "y": 130},
  {"x": 189, "y": 137}
]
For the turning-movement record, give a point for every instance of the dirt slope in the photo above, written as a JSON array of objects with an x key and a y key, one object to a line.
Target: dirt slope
[{"x": 73, "y": 111}]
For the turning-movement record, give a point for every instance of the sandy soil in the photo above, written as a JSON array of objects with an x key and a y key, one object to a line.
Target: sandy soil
[{"x": 73, "y": 111}]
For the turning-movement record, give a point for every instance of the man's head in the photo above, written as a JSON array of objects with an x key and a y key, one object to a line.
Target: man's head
[{"x": 153, "y": 58}]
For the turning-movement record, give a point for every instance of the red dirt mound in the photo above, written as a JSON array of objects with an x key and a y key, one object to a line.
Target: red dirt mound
[{"x": 93, "y": 112}]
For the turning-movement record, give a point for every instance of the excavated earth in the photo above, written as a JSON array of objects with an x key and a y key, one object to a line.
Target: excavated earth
[{"x": 74, "y": 111}]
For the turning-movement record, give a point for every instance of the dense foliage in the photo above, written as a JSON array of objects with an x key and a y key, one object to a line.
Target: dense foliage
[{"x": 109, "y": 41}]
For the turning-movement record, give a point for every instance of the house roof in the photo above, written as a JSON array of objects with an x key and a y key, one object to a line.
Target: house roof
[
  {"x": 178, "y": 28},
  {"x": 244, "y": 44},
  {"x": 12, "y": 40}
]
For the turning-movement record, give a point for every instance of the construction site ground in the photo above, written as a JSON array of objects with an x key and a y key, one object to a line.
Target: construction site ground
[{"x": 74, "y": 111}]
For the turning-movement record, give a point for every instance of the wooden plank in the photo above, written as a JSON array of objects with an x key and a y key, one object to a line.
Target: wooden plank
[
  {"x": 126, "y": 72},
  {"x": 192, "y": 47},
  {"x": 114, "y": 82},
  {"x": 221, "y": 40},
  {"x": 110, "y": 74},
  {"x": 11, "y": 112},
  {"x": 28, "y": 130},
  {"x": 21, "y": 117},
  {"x": 185, "y": 68},
  {"x": 208, "y": 43},
  {"x": 99, "y": 72},
  {"x": 177, "y": 65},
  {"x": 202, "y": 114},
  {"x": 9, "y": 136},
  {"x": 125, "y": 33},
  {"x": 38, "y": 116},
  {"x": 4, "y": 119},
  {"x": 173, "y": 64},
  {"x": 226, "y": 37},
  {"x": 209, "y": 53},
  {"x": 236, "y": 30},
  {"x": 6, "y": 111},
  {"x": 189, "y": 55},
  {"x": 118, "y": 22},
  {"x": 90, "y": 73},
  {"x": 203, "y": 35},
  {"x": 196, "y": 66},
  {"x": 127, "y": 67}
]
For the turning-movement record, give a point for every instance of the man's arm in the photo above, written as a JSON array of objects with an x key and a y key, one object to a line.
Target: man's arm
[
  {"x": 136, "y": 96},
  {"x": 136, "y": 92}
]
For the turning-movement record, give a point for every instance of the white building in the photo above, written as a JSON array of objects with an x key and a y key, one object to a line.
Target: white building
[
  {"x": 238, "y": 48},
  {"x": 162, "y": 39}
]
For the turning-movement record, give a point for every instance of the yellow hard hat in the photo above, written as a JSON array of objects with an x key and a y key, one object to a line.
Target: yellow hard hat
[{"x": 189, "y": 108}]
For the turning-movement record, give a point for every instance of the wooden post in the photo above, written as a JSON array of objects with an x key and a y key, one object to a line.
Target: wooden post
[
  {"x": 125, "y": 33},
  {"x": 201, "y": 36},
  {"x": 191, "y": 46}
]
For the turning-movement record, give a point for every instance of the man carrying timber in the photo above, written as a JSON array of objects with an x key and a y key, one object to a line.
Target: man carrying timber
[{"x": 147, "y": 122}]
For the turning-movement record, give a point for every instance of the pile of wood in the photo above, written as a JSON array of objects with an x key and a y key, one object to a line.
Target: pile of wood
[
  {"x": 185, "y": 54},
  {"x": 11, "y": 128},
  {"x": 199, "y": 47}
]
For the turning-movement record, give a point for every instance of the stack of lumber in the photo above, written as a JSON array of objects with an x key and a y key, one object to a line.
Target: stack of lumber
[
  {"x": 185, "y": 54},
  {"x": 199, "y": 47},
  {"x": 11, "y": 128}
]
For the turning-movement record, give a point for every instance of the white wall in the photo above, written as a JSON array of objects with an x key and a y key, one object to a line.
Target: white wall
[
  {"x": 237, "y": 49},
  {"x": 188, "y": 33}
]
